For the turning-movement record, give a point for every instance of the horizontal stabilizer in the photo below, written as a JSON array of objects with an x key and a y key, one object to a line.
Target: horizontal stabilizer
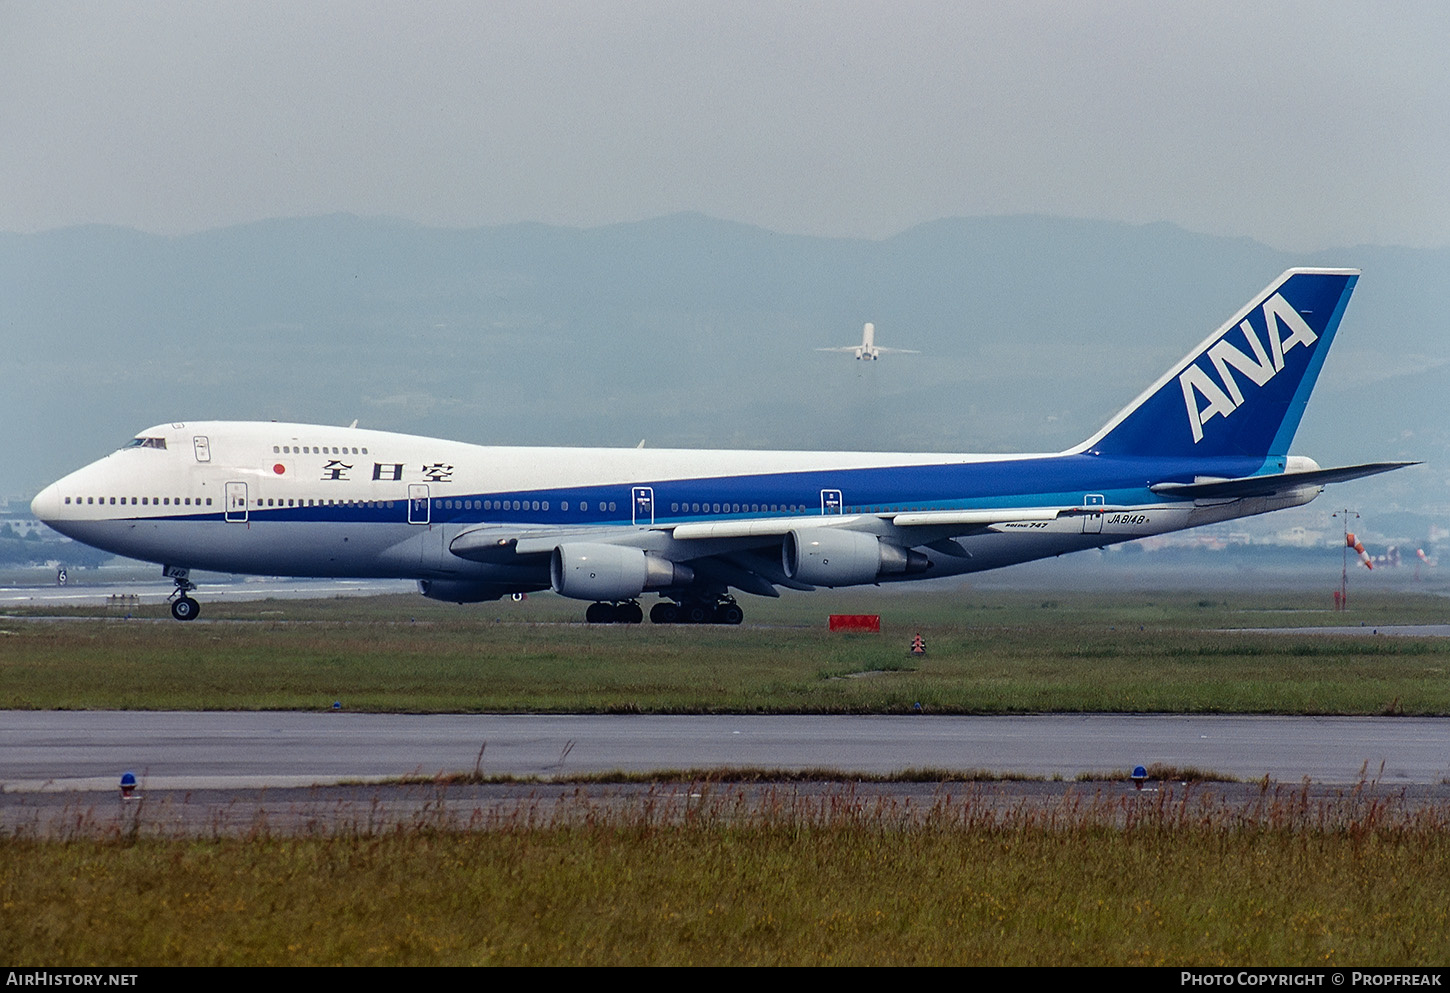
[{"x": 1250, "y": 486}]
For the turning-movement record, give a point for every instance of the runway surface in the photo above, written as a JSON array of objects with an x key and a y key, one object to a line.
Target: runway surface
[
  {"x": 89, "y": 750},
  {"x": 157, "y": 591}
]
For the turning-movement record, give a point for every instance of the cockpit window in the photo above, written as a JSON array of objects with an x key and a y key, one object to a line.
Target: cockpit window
[{"x": 148, "y": 443}]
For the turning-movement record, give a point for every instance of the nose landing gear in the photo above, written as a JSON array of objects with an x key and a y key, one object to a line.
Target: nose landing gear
[{"x": 183, "y": 607}]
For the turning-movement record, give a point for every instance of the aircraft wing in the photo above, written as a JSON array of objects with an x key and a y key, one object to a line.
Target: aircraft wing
[
  {"x": 729, "y": 539},
  {"x": 778, "y": 526},
  {"x": 1250, "y": 486},
  {"x": 746, "y": 554}
]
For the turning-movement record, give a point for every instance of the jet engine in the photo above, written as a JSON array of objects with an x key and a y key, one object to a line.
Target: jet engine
[
  {"x": 831, "y": 557},
  {"x": 612, "y": 572}
]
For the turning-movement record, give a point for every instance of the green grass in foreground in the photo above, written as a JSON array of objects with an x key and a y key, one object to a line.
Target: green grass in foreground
[
  {"x": 988, "y": 653},
  {"x": 1131, "y": 882}
]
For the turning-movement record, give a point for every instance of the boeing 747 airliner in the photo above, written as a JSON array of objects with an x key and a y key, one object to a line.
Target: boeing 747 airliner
[{"x": 1208, "y": 442}]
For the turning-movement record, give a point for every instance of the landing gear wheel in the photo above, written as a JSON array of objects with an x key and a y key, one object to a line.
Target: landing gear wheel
[
  {"x": 614, "y": 613},
  {"x": 729, "y": 613},
  {"x": 725, "y": 611},
  {"x": 185, "y": 609}
]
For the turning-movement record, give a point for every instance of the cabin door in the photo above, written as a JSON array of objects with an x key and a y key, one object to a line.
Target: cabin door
[
  {"x": 236, "y": 509},
  {"x": 418, "y": 503},
  {"x": 643, "y": 498}
]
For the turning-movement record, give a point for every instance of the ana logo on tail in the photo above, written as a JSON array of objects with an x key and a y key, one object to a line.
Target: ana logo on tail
[
  {"x": 1224, "y": 396},
  {"x": 1244, "y": 388}
]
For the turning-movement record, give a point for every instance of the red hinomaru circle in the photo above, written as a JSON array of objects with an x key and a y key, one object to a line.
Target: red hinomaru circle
[{"x": 279, "y": 468}]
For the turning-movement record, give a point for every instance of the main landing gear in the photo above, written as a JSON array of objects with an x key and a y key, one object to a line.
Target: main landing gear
[
  {"x": 628, "y": 612},
  {"x": 183, "y": 607},
  {"x": 723, "y": 611}
]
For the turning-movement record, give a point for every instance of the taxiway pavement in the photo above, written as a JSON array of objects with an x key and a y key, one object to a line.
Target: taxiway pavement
[{"x": 89, "y": 750}]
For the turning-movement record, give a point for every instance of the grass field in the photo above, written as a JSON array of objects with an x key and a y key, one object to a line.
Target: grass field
[
  {"x": 988, "y": 653},
  {"x": 1133, "y": 880}
]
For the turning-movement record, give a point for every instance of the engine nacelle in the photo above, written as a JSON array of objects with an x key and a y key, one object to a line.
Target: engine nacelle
[
  {"x": 612, "y": 572},
  {"x": 831, "y": 557},
  {"x": 459, "y": 590}
]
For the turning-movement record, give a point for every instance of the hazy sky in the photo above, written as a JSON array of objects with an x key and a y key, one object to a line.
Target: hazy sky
[{"x": 1303, "y": 125}]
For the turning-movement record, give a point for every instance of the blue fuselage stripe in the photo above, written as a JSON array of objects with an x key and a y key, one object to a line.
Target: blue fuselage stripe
[{"x": 1033, "y": 482}]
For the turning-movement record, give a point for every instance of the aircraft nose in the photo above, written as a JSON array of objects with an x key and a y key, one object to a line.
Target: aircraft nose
[{"x": 46, "y": 505}]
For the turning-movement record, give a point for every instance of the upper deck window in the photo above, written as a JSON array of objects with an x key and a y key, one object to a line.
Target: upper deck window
[{"x": 148, "y": 443}]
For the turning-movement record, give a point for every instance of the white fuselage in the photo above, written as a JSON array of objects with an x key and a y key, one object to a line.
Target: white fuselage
[{"x": 308, "y": 500}]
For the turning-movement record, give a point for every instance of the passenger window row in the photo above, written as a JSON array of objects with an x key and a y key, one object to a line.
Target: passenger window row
[
  {"x": 736, "y": 508},
  {"x": 293, "y": 502},
  {"x": 142, "y": 501},
  {"x": 316, "y": 450}
]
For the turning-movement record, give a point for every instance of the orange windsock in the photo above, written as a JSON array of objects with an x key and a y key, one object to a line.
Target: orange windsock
[{"x": 1353, "y": 542}]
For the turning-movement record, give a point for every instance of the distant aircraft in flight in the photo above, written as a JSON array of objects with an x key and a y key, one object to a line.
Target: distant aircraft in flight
[
  {"x": 868, "y": 349},
  {"x": 1208, "y": 442}
]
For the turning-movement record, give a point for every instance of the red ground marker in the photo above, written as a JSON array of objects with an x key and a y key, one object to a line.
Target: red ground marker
[{"x": 856, "y": 622}]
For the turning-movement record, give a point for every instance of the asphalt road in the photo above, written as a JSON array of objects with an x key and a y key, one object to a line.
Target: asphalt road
[
  {"x": 88, "y": 750},
  {"x": 156, "y": 592}
]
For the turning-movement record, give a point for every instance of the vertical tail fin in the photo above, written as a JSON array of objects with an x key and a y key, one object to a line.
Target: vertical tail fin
[{"x": 1242, "y": 391}]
